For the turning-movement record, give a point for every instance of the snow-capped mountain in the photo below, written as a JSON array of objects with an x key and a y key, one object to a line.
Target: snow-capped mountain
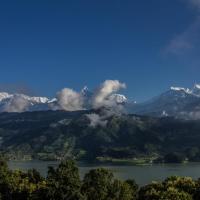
[
  {"x": 4, "y": 95},
  {"x": 22, "y": 103},
  {"x": 177, "y": 101},
  {"x": 196, "y": 90},
  {"x": 88, "y": 97},
  {"x": 118, "y": 98}
]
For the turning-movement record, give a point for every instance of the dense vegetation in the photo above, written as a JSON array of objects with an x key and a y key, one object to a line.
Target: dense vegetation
[
  {"x": 64, "y": 183},
  {"x": 59, "y": 134}
]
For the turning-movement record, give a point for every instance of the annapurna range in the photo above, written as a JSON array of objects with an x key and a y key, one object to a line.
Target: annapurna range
[
  {"x": 177, "y": 102},
  {"x": 17, "y": 102}
]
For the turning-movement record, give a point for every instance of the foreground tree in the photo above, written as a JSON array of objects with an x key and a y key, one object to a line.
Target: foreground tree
[
  {"x": 97, "y": 184},
  {"x": 64, "y": 182},
  {"x": 134, "y": 187}
]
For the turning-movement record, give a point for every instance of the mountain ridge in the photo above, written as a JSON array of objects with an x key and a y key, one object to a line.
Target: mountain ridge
[
  {"x": 177, "y": 102},
  {"x": 57, "y": 134},
  {"x": 21, "y": 103}
]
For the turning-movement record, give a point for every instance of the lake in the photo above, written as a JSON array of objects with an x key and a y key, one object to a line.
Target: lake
[{"x": 142, "y": 174}]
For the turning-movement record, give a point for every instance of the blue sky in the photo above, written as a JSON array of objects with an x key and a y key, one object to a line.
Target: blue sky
[{"x": 148, "y": 44}]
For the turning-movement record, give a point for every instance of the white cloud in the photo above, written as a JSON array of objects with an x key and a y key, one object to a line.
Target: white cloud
[
  {"x": 101, "y": 96},
  {"x": 70, "y": 100},
  {"x": 96, "y": 120},
  {"x": 17, "y": 104}
]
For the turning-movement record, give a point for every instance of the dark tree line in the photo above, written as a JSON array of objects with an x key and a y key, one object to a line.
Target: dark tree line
[{"x": 64, "y": 183}]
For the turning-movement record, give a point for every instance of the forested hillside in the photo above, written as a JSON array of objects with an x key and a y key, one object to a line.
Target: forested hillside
[{"x": 98, "y": 135}]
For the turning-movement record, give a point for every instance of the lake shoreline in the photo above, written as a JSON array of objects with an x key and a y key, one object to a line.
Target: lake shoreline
[
  {"x": 143, "y": 174},
  {"x": 131, "y": 162}
]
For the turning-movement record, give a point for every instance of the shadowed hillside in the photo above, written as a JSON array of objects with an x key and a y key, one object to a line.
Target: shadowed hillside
[{"x": 97, "y": 134}]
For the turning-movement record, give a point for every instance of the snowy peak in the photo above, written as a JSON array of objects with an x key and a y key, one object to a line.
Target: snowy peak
[
  {"x": 177, "y": 88},
  {"x": 85, "y": 90},
  {"x": 178, "y": 102},
  {"x": 118, "y": 98},
  {"x": 181, "y": 89},
  {"x": 20, "y": 103},
  {"x": 197, "y": 86},
  {"x": 7, "y": 96},
  {"x": 39, "y": 99},
  {"x": 196, "y": 89},
  {"x": 4, "y": 95}
]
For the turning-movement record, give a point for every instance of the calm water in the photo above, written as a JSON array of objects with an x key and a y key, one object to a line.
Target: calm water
[{"x": 142, "y": 174}]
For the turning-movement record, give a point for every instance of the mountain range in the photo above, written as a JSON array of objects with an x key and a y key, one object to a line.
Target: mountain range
[
  {"x": 22, "y": 103},
  {"x": 178, "y": 102}
]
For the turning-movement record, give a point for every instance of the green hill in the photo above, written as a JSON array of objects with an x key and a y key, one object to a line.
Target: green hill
[{"x": 59, "y": 134}]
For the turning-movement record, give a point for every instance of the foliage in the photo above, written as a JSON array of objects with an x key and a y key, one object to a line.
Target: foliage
[
  {"x": 97, "y": 184},
  {"x": 63, "y": 183},
  {"x": 173, "y": 188}
]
